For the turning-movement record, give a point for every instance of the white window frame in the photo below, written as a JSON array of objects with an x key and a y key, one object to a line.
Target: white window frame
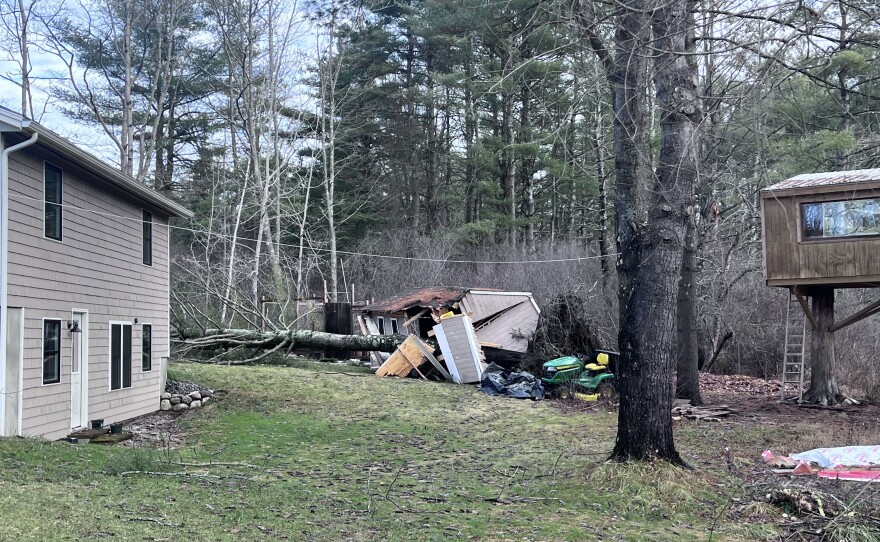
[
  {"x": 395, "y": 328},
  {"x": 121, "y": 387},
  {"x": 380, "y": 324},
  {"x": 143, "y": 228},
  {"x": 43, "y": 352},
  {"x": 60, "y": 205},
  {"x": 152, "y": 329}
]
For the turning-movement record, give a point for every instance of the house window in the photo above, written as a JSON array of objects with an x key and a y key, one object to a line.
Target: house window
[
  {"x": 394, "y": 326},
  {"x": 52, "y": 196},
  {"x": 853, "y": 218},
  {"x": 147, "y": 348},
  {"x": 51, "y": 351},
  {"x": 380, "y": 321},
  {"x": 120, "y": 355},
  {"x": 148, "y": 238}
]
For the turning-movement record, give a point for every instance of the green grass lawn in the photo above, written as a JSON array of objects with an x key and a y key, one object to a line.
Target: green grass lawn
[{"x": 310, "y": 453}]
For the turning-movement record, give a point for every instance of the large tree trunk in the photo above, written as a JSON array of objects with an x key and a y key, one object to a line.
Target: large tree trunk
[
  {"x": 687, "y": 373},
  {"x": 823, "y": 386},
  {"x": 647, "y": 337},
  {"x": 213, "y": 339}
]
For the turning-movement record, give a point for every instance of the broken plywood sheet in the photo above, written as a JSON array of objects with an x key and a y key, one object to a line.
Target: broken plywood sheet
[
  {"x": 481, "y": 304},
  {"x": 407, "y": 357},
  {"x": 461, "y": 351},
  {"x": 512, "y": 329}
]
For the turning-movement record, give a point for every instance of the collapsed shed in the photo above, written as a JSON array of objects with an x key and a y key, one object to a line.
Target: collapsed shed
[{"x": 472, "y": 326}]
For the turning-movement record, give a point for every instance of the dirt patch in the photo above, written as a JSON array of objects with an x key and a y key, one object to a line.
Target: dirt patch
[{"x": 156, "y": 430}]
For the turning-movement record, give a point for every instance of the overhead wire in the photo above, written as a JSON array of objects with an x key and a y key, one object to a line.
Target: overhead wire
[{"x": 317, "y": 249}]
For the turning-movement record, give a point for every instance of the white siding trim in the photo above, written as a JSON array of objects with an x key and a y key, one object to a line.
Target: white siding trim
[
  {"x": 20, "y": 374},
  {"x": 472, "y": 341},
  {"x": 447, "y": 353}
]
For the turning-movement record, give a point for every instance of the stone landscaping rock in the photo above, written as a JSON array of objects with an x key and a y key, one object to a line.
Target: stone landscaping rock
[
  {"x": 207, "y": 393},
  {"x": 165, "y": 395},
  {"x": 195, "y": 404},
  {"x": 180, "y": 406},
  {"x": 175, "y": 399},
  {"x": 186, "y": 399},
  {"x": 165, "y": 404},
  {"x": 195, "y": 396},
  {"x": 205, "y": 400}
]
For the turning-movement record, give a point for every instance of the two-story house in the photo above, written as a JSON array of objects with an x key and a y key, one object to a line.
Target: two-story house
[{"x": 84, "y": 286}]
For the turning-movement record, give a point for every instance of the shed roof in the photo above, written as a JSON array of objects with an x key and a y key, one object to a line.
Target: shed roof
[
  {"x": 846, "y": 180},
  {"x": 432, "y": 298}
]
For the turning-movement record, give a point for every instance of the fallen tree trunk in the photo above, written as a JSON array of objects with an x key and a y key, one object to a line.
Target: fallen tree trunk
[{"x": 270, "y": 342}]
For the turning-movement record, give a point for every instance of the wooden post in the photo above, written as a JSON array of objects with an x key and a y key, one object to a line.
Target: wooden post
[{"x": 823, "y": 386}]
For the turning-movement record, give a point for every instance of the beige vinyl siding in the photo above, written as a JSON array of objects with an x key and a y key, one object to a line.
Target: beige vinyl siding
[{"x": 96, "y": 267}]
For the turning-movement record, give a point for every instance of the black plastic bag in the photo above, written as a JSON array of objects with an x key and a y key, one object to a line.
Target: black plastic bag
[{"x": 499, "y": 381}]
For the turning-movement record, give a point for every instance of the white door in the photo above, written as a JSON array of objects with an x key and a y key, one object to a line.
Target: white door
[{"x": 79, "y": 370}]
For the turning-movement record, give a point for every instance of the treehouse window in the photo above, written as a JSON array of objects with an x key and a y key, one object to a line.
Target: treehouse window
[{"x": 852, "y": 218}]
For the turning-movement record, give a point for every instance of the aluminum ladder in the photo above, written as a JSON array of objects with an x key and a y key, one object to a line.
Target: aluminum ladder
[{"x": 795, "y": 351}]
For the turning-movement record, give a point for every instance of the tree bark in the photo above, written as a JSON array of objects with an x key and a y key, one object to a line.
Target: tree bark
[
  {"x": 823, "y": 385},
  {"x": 647, "y": 333},
  {"x": 687, "y": 373},
  {"x": 292, "y": 340}
]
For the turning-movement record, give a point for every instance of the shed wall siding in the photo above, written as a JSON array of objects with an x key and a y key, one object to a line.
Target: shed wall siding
[
  {"x": 789, "y": 260},
  {"x": 96, "y": 267},
  {"x": 484, "y": 304},
  {"x": 513, "y": 329},
  {"x": 460, "y": 340}
]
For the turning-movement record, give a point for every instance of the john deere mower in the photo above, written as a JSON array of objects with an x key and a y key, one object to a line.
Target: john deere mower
[{"x": 592, "y": 374}]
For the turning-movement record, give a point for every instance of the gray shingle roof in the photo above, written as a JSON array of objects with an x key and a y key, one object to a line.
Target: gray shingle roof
[{"x": 830, "y": 178}]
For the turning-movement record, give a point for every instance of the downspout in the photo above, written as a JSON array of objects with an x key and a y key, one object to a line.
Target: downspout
[{"x": 4, "y": 266}]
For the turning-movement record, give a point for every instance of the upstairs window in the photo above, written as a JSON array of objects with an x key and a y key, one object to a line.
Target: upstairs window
[
  {"x": 52, "y": 197},
  {"x": 51, "y": 351},
  {"x": 148, "y": 238},
  {"x": 394, "y": 329},
  {"x": 147, "y": 348},
  {"x": 380, "y": 321},
  {"x": 853, "y": 218}
]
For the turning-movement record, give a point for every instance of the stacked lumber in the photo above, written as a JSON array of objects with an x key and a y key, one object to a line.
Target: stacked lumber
[
  {"x": 409, "y": 356},
  {"x": 704, "y": 413}
]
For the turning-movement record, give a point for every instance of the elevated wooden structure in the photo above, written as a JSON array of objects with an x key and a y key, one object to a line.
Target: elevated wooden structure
[
  {"x": 823, "y": 229},
  {"x": 822, "y": 232}
]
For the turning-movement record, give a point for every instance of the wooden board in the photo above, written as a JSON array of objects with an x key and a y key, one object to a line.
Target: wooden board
[
  {"x": 426, "y": 350},
  {"x": 407, "y": 357}
]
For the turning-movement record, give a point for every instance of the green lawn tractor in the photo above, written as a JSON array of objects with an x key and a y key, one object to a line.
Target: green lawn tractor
[{"x": 589, "y": 377}]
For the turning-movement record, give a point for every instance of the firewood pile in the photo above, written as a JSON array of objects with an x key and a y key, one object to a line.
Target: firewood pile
[{"x": 739, "y": 384}]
